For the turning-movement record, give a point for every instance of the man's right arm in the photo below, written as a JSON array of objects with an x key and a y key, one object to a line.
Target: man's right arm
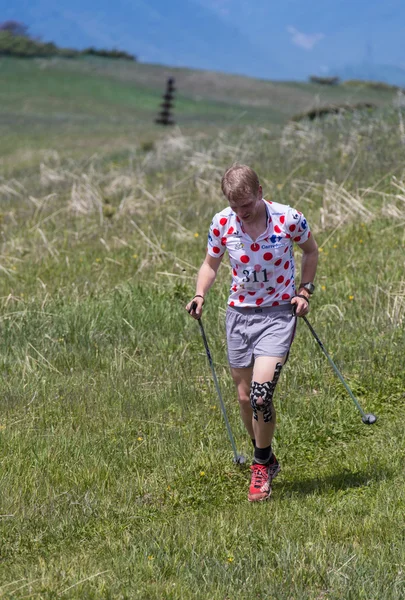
[{"x": 205, "y": 279}]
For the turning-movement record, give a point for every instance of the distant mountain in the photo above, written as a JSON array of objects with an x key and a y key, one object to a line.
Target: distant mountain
[{"x": 280, "y": 40}]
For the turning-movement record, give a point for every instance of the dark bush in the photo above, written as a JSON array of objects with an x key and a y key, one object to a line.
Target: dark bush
[
  {"x": 331, "y": 109},
  {"x": 18, "y": 45},
  {"x": 114, "y": 53},
  {"x": 26, "y": 47},
  {"x": 324, "y": 80}
]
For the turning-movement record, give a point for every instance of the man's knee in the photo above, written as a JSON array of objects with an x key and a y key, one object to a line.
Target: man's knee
[
  {"x": 261, "y": 396},
  {"x": 244, "y": 400}
]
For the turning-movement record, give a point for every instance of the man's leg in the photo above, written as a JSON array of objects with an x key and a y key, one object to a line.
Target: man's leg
[
  {"x": 263, "y": 372},
  {"x": 242, "y": 379},
  {"x": 265, "y": 466}
]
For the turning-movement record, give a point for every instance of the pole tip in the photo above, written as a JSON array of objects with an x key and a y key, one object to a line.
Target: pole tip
[
  {"x": 369, "y": 419},
  {"x": 239, "y": 460}
]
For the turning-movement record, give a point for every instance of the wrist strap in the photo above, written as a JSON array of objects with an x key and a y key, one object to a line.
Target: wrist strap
[
  {"x": 199, "y": 296},
  {"x": 301, "y": 296}
]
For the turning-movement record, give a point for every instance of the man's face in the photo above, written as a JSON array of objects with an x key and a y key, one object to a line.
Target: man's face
[{"x": 247, "y": 208}]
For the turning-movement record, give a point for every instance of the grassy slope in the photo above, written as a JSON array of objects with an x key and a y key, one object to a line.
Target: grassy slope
[
  {"x": 57, "y": 102},
  {"x": 116, "y": 474}
]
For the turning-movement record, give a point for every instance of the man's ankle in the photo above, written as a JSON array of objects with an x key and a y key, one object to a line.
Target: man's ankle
[{"x": 262, "y": 456}]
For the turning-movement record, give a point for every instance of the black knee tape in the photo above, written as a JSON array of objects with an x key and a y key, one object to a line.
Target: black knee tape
[{"x": 264, "y": 391}]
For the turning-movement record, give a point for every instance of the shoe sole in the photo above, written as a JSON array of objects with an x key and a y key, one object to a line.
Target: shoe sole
[{"x": 253, "y": 499}]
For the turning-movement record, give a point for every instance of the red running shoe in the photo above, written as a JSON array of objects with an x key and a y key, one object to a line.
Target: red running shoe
[{"x": 262, "y": 476}]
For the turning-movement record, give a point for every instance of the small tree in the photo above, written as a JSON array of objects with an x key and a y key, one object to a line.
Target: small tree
[
  {"x": 15, "y": 28},
  {"x": 165, "y": 115}
]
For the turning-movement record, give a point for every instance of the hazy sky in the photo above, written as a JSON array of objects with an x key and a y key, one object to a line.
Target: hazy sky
[{"x": 287, "y": 39}]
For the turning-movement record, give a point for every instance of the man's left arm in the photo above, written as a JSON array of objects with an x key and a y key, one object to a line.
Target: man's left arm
[{"x": 309, "y": 263}]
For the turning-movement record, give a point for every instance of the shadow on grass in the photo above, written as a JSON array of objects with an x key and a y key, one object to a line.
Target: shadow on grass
[{"x": 344, "y": 480}]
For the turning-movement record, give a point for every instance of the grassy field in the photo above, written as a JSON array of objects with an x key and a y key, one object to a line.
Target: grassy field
[{"x": 116, "y": 473}]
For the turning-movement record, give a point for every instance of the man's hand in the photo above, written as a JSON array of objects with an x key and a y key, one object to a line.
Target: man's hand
[
  {"x": 194, "y": 307},
  {"x": 301, "y": 305}
]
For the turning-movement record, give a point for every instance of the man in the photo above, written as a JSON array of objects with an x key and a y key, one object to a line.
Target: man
[{"x": 263, "y": 303}]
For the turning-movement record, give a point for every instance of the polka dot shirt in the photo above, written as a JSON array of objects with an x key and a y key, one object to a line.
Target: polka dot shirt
[{"x": 262, "y": 270}]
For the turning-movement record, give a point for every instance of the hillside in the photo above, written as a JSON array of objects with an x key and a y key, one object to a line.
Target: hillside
[{"x": 111, "y": 100}]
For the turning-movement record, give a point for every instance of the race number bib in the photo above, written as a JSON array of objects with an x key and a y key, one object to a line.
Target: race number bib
[{"x": 258, "y": 279}]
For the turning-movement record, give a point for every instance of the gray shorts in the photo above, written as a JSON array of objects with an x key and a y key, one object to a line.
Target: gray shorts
[{"x": 253, "y": 332}]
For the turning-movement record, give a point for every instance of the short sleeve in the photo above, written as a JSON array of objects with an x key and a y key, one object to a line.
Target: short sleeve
[
  {"x": 216, "y": 245},
  {"x": 297, "y": 226}
]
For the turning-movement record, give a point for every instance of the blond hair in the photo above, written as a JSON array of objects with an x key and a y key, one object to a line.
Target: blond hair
[{"x": 238, "y": 182}]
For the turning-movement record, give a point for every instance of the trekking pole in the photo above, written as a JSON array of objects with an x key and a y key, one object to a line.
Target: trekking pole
[
  {"x": 367, "y": 418},
  {"x": 238, "y": 458}
]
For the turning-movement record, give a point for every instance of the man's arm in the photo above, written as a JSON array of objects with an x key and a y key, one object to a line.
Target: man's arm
[
  {"x": 205, "y": 278},
  {"x": 309, "y": 263}
]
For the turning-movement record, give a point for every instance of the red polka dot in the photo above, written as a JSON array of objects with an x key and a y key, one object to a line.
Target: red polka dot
[
  {"x": 280, "y": 279},
  {"x": 245, "y": 259},
  {"x": 237, "y": 218},
  {"x": 223, "y": 241},
  {"x": 223, "y": 221},
  {"x": 286, "y": 250},
  {"x": 241, "y": 298},
  {"x": 232, "y": 303},
  {"x": 287, "y": 235},
  {"x": 297, "y": 239},
  {"x": 271, "y": 292},
  {"x": 277, "y": 229},
  {"x": 292, "y": 228},
  {"x": 230, "y": 230},
  {"x": 282, "y": 219},
  {"x": 255, "y": 247},
  {"x": 234, "y": 288},
  {"x": 287, "y": 282},
  {"x": 234, "y": 273},
  {"x": 267, "y": 256},
  {"x": 258, "y": 268},
  {"x": 216, "y": 250},
  {"x": 277, "y": 295},
  {"x": 285, "y": 296},
  {"x": 251, "y": 293},
  {"x": 216, "y": 232},
  {"x": 287, "y": 264},
  {"x": 276, "y": 304},
  {"x": 259, "y": 301},
  {"x": 270, "y": 201},
  {"x": 278, "y": 262},
  {"x": 309, "y": 234}
]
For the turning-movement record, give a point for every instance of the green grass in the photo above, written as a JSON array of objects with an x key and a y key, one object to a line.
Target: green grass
[{"x": 116, "y": 472}]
